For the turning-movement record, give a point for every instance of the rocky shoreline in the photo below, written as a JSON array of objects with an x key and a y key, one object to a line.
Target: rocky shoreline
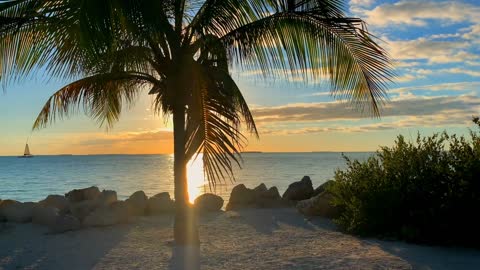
[{"x": 90, "y": 207}]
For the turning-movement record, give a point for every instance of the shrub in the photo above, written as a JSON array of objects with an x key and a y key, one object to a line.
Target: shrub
[{"x": 428, "y": 191}]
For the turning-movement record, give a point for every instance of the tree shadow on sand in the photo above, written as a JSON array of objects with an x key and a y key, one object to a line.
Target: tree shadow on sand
[
  {"x": 32, "y": 247},
  {"x": 268, "y": 220},
  {"x": 431, "y": 257},
  {"x": 185, "y": 258}
]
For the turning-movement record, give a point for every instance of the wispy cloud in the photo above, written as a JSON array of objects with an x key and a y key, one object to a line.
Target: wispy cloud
[
  {"x": 400, "y": 107},
  {"x": 458, "y": 86},
  {"x": 128, "y": 137},
  {"x": 418, "y": 13}
]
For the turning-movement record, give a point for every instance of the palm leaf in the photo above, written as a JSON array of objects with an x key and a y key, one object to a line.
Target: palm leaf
[{"x": 101, "y": 97}]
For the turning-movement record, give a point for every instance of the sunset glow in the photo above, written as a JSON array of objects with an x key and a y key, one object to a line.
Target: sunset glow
[{"x": 196, "y": 178}]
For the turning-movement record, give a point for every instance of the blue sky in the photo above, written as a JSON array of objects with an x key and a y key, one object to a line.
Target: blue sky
[{"x": 436, "y": 47}]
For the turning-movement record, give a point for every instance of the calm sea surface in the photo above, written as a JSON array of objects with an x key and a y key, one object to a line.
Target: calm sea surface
[{"x": 34, "y": 178}]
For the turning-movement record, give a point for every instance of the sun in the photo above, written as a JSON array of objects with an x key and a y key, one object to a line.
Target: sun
[{"x": 196, "y": 178}]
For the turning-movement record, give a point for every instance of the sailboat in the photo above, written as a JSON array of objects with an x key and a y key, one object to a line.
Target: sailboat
[{"x": 26, "y": 153}]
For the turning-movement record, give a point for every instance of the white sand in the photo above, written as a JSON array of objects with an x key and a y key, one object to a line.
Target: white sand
[{"x": 253, "y": 239}]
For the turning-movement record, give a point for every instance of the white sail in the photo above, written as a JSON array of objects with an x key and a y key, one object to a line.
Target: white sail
[{"x": 27, "y": 150}]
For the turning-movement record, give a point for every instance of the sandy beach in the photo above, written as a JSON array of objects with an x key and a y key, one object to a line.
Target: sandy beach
[{"x": 247, "y": 239}]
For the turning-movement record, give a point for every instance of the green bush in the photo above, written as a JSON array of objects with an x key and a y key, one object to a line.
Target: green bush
[{"x": 428, "y": 191}]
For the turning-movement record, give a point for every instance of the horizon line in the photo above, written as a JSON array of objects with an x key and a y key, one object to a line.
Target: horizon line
[{"x": 160, "y": 154}]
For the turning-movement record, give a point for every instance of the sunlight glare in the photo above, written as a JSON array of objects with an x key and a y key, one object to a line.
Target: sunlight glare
[{"x": 196, "y": 179}]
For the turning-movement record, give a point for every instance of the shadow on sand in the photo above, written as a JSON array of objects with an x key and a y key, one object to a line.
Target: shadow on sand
[
  {"x": 267, "y": 220},
  {"x": 37, "y": 249},
  {"x": 424, "y": 257}
]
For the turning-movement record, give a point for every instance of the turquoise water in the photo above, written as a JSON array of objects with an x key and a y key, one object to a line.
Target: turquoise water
[{"x": 34, "y": 178}]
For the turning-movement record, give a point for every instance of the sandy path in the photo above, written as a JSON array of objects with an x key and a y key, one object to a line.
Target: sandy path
[{"x": 257, "y": 239}]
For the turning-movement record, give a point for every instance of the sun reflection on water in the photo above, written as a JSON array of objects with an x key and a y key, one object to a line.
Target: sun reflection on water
[{"x": 196, "y": 178}]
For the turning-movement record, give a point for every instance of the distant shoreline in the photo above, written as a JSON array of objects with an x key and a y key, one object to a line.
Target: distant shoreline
[{"x": 246, "y": 152}]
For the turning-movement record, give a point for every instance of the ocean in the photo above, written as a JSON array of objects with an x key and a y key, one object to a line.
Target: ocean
[{"x": 32, "y": 179}]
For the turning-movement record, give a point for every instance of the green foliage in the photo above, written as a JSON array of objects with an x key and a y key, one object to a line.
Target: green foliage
[{"x": 428, "y": 191}]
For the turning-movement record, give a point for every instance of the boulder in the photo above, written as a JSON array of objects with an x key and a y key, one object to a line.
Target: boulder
[
  {"x": 115, "y": 213},
  {"x": 44, "y": 215},
  {"x": 322, "y": 187},
  {"x": 14, "y": 211},
  {"x": 65, "y": 223},
  {"x": 208, "y": 202},
  {"x": 320, "y": 205},
  {"x": 259, "y": 197},
  {"x": 85, "y": 194},
  {"x": 298, "y": 191},
  {"x": 137, "y": 203},
  {"x": 57, "y": 201},
  {"x": 262, "y": 188},
  {"x": 241, "y": 197},
  {"x": 82, "y": 209},
  {"x": 107, "y": 197},
  {"x": 160, "y": 204},
  {"x": 162, "y": 195},
  {"x": 270, "y": 199},
  {"x": 2, "y": 218}
]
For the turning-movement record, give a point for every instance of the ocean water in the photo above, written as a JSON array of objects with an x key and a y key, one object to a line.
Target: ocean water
[{"x": 33, "y": 179}]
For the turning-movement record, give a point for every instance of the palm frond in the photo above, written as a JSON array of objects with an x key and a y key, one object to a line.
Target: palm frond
[
  {"x": 310, "y": 39},
  {"x": 214, "y": 116},
  {"x": 101, "y": 96}
]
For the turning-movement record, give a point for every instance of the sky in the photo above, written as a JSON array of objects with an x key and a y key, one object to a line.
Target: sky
[{"x": 436, "y": 49}]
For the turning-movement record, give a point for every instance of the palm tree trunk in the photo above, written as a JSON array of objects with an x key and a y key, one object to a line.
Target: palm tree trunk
[{"x": 185, "y": 228}]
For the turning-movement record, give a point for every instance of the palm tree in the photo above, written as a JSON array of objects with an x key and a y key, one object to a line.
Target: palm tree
[{"x": 182, "y": 51}]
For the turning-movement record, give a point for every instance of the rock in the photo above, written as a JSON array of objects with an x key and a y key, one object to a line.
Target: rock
[
  {"x": 322, "y": 187},
  {"x": 4, "y": 204},
  {"x": 86, "y": 194},
  {"x": 82, "y": 209},
  {"x": 18, "y": 212},
  {"x": 320, "y": 205},
  {"x": 208, "y": 202},
  {"x": 107, "y": 197},
  {"x": 138, "y": 203},
  {"x": 270, "y": 199},
  {"x": 262, "y": 188},
  {"x": 160, "y": 204},
  {"x": 65, "y": 223},
  {"x": 57, "y": 201},
  {"x": 2, "y": 218},
  {"x": 44, "y": 215},
  {"x": 259, "y": 197},
  {"x": 241, "y": 197},
  {"x": 115, "y": 213},
  {"x": 298, "y": 191},
  {"x": 162, "y": 195}
]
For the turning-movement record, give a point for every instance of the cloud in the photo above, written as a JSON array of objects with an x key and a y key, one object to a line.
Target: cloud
[
  {"x": 469, "y": 72},
  {"x": 408, "y": 78},
  {"x": 458, "y": 86},
  {"x": 431, "y": 50},
  {"x": 405, "y": 106},
  {"x": 355, "y": 4},
  {"x": 128, "y": 137},
  {"x": 446, "y": 118},
  {"x": 418, "y": 13}
]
